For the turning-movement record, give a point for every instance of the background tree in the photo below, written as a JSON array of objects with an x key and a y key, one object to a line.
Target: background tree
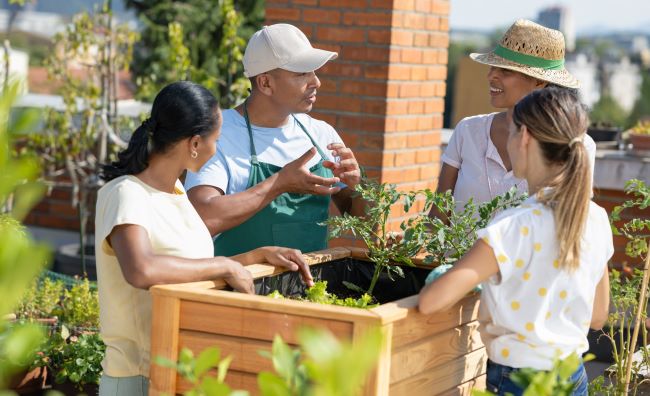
[
  {"x": 79, "y": 139},
  {"x": 641, "y": 107},
  {"x": 607, "y": 112},
  {"x": 201, "y": 40}
]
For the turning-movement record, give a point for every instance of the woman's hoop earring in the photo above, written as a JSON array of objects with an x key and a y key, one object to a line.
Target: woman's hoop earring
[{"x": 194, "y": 154}]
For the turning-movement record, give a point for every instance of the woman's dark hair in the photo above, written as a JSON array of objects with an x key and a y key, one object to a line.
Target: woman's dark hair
[{"x": 180, "y": 110}]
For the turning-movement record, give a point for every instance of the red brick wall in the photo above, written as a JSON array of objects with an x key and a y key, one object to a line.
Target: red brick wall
[
  {"x": 608, "y": 199},
  {"x": 385, "y": 92}
]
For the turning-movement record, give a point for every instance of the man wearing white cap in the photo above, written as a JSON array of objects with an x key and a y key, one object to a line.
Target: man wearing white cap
[{"x": 271, "y": 180}]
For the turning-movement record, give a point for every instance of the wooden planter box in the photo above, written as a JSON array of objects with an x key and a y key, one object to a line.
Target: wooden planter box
[{"x": 421, "y": 354}]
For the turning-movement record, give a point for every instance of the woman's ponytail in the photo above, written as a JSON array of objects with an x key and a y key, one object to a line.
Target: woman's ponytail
[
  {"x": 556, "y": 118},
  {"x": 135, "y": 158}
]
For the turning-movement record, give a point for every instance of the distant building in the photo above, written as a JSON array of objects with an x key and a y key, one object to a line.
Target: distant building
[
  {"x": 623, "y": 81},
  {"x": 39, "y": 23},
  {"x": 585, "y": 69},
  {"x": 18, "y": 67},
  {"x": 559, "y": 18}
]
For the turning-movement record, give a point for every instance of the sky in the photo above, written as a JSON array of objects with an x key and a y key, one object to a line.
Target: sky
[{"x": 589, "y": 15}]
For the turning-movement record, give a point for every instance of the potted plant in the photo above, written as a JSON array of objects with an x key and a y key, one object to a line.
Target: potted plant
[
  {"x": 22, "y": 258},
  {"x": 418, "y": 352},
  {"x": 639, "y": 135},
  {"x": 629, "y": 297},
  {"x": 73, "y": 353}
]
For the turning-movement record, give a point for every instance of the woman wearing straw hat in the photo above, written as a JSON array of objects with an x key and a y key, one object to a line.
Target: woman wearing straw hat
[{"x": 476, "y": 164}]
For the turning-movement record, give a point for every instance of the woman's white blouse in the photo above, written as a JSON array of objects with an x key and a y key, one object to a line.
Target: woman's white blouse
[{"x": 532, "y": 311}]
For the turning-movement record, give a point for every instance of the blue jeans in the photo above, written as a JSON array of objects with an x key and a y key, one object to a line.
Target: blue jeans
[{"x": 499, "y": 382}]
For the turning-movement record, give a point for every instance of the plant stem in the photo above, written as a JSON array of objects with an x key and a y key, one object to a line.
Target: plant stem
[{"x": 637, "y": 322}]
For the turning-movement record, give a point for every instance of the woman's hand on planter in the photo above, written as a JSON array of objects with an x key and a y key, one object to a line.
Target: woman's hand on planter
[
  {"x": 240, "y": 278},
  {"x": 441, "y": 270},
  {"x": 290, "y": 259}
]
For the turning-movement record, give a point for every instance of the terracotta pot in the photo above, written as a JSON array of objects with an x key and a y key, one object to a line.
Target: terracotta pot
[{"x": 640, "y": 141}]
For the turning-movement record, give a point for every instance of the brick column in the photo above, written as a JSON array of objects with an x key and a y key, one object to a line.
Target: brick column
[{"x": 384, "y": 94}]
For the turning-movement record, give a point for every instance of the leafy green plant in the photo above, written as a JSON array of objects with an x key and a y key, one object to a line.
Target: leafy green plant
[
  {"x": 42, "y": 300},
  {"x": 554, "y": 382},
  {"x": 322, "y": 366},
  {"x": 629, "y": 295},
  {"x": 21, "y": 259},
  {"x": 81, "y": 306},
  {"x": 319, "y": 294},
  {"x": 197, "y": 372},
  {"x": 447, "y": 239},
  {"x": 73, "y": 358},
  {"x": 373, "y": 229}
]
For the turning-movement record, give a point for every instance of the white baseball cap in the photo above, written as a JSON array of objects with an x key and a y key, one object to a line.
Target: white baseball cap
[{"x": 282, "y": 46}]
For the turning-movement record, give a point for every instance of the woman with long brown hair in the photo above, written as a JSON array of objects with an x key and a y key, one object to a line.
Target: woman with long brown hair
[{"x": 543, "y": 265}]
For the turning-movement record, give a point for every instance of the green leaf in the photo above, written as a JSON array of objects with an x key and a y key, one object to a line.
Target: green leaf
[
  {"x": 272, "y": 385},
  {"x": 206, "y": 360}
]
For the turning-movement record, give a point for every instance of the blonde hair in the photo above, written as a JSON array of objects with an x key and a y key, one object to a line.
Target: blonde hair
[{"x": 557, "y": 119}]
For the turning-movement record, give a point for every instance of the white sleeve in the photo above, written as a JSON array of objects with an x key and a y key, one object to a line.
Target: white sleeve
[
  {"x": 504, "y": 235},
  {"x": 452, "y": 155},
  {"x": 214, "y": 173}
]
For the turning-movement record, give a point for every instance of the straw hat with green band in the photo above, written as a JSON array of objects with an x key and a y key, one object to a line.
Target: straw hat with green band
[{"x": 533, "y": 50}]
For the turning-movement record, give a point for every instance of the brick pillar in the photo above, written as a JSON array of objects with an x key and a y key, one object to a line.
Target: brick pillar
[{"x": 385, "y": 92}]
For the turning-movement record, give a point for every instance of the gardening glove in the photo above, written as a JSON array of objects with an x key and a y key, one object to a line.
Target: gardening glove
[{"x": 439, "y": 271}]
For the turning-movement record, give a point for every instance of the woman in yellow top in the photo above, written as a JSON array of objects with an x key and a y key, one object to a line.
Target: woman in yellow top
[{"x": 147, "y": 232}]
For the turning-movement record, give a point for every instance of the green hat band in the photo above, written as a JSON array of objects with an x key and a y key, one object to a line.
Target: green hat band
[{"x": 528, "y": 60}]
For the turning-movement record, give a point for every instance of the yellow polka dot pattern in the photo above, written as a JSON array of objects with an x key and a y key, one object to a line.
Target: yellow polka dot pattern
[
  {"x": 526, "y": 276},
  {"x": 548, "y": 315},
  {"x": 556, "y": 264},
  {"x": 537, "y": 247},
  {"x": 505, "y": 352},
  {"x": 563, "y": 294},
  {"x": 537, "y": 212},
  {"x": 524, "y": 231},
  {"x": 502, "y": 259},
  {"x": 519, "y": 263},
  {"x": 530, "y": 326},
  {"x": 542, "y": 291},
  {"x": 521, "y": 337},
  {"x": 515, "y": 305}
]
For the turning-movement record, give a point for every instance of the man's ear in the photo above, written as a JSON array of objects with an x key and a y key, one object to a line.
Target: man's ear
[{"x": 264, "y": 83}]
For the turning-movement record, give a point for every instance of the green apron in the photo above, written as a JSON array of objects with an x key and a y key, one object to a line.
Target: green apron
[{"x": 290, "y": 220}]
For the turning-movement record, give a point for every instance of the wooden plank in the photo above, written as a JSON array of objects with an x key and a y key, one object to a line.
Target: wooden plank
[
  {"x": 257, "y": 270},
  {"x": 256, "y": 324},
  {"x": 419, "y": 326},
  {"x": 244, "y": 351},
  {"x": 446, "y": 376},
  {"x": 377, "y": 383},
  {"x": 466, "y": 388},
  {"x": 164, "y": 343},
  {"x": 282, "y": 306},
  {"x": 427, "y": 353},
  {"x": 237, "y": 380}
]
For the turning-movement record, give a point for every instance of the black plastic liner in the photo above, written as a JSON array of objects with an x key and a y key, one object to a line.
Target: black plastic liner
[{"x": 358, "y": 272}]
